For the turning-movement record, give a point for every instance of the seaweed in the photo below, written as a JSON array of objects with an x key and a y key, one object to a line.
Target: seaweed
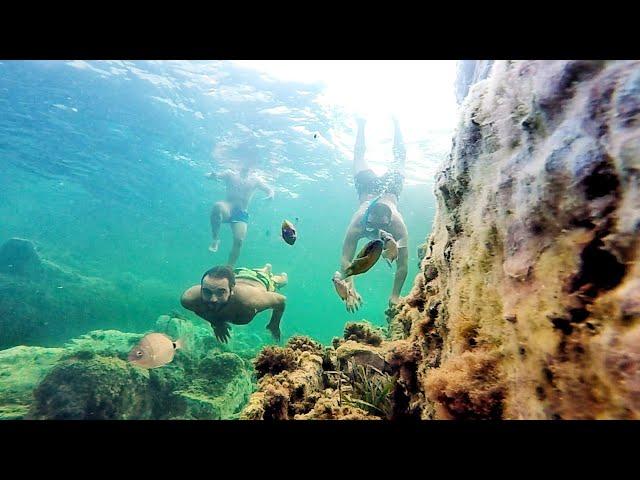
[{"x": 371, "y": 390}]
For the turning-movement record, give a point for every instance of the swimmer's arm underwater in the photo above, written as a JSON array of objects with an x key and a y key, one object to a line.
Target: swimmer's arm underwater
[
  {"x": 262, "y": 185},
  {"x": 348, "y": 252},
  {"x": 275, "y": 301},
  {"x": 221, "y": 331},
  {"x": 218, "y": 176},
  {"x": 349, "y": 249}
]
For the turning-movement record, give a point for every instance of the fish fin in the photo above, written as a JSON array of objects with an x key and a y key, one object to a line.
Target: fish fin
[{"x": 185, "y": 342}]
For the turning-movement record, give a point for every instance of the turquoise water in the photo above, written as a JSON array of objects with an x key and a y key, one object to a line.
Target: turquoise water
[{"x": 102, "y": 166}]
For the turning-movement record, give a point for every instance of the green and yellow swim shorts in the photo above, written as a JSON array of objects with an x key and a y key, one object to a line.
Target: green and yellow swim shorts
[{"x": 254, "y": 274}]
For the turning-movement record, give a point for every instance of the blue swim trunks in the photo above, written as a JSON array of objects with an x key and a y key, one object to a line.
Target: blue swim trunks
[{"x": 238, "y": 215}]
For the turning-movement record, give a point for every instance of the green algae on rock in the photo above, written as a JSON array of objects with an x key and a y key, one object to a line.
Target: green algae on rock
[
  {"x": 90, "y": 379},
  {"x": 21, "y": 370},
  {"x": 531, "y": 271},
  {"x": 100, "y": 388}
]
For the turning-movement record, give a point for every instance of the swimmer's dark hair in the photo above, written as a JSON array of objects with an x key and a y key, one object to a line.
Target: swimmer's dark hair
[
  {"x": 221, "y": 271},
  {"x": 381, "y": 209}
]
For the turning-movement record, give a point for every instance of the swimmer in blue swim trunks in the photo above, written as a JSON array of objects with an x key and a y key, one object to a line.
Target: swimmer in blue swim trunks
[
  {"x": 378, "y": 197},
  {"x": 240, "y": 189}
]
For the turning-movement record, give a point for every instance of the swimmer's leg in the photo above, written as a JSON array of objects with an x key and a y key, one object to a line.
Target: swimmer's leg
[
  {"x": 399, "y": 150},
  {"x": 239, "y": 231},
  {"x": 359, "y": 162},
  {"x": 219, "y": 213}
]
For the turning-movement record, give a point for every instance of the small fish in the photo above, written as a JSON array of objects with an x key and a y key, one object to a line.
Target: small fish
[
  {"x": 289, "y": 233},
  {"x": 342, "y": 287},
  {"x": 154, "y": 350},
  {"x": 315, "y": 135},
  {"x": 390, "y": 252},
  {"x": 366, "y": 259},
  {"x": 267, "y": 233}
]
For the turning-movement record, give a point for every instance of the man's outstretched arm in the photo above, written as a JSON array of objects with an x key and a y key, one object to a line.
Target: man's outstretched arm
[
  {"x": 265, "y": 187},
  {"x": 218, "y": 175},
  {"x": 348, "y": 252}
]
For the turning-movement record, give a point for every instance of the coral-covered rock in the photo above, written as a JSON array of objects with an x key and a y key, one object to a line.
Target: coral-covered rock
[
  {"x": 289, "y": 381},
  {"x": 329, "y": 407},
  {"x": 99, "y": 388},
  {"x": 363, "y": 332},
  {"x": 361, "y": 354},
  {"x": 273, "y": 360},
  {"x": 91, "y": 379},
  {"x": 526, "y": 304},
  {"x": 103, "y": 342}
]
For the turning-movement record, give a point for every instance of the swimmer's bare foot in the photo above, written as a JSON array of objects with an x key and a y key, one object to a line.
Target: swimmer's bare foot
[
  {"x": 214, "y": 246},
  {"x": 275, "y": 331}
]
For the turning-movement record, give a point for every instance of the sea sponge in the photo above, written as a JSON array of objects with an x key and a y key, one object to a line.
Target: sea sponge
[
  {"x": 304, "y": 344},
  {"x": 469, "y": 386},
  {"x": 363, "y": 332},
  {"x": 273, "y": 360}
]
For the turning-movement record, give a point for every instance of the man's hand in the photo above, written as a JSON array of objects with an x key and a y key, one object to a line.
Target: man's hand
[
  {"x": 353, "y": 301},
  {"x": 222, "y": 331}
]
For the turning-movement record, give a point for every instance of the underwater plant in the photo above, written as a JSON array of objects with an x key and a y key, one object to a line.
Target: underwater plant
[{"x": 371, "y": 389}]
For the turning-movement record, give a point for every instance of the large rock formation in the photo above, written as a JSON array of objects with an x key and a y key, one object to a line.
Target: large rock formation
[
  {"x": 90, "y": 378},
  {"x": 45, "y": 304},
  {"x": 469, "y": 73},
  {"x": 528, "y": 303}
]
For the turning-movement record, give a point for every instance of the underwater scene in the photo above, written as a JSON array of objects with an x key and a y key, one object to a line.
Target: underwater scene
[{"x": 319, "y": 240}]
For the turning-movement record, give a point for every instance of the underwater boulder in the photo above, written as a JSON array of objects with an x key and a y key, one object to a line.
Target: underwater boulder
[
  {"x": 363, "y": 332},
  {"x": 97, "y": 388},
  {"x": 216, "y": 389},
  {"x": 360, "y": 354},
  {"x": 18, "y": 257},
  {"x": 107, "y": 343},
  {"x": 21, "y": 370},
  {"x": 290, "y": 381},
  {"x": 197, "y": 333}
]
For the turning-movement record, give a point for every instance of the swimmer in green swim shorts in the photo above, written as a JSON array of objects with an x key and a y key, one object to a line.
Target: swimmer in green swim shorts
[{"x": 225, "y": 296}]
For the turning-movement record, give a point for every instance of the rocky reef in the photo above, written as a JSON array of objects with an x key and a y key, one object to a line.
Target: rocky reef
[
  {"x": 43, "y": 303},
  {"x": 349, "y": 380},
  {"x": 90, "y": 378},
  {"x": 527, "y": 303}
]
